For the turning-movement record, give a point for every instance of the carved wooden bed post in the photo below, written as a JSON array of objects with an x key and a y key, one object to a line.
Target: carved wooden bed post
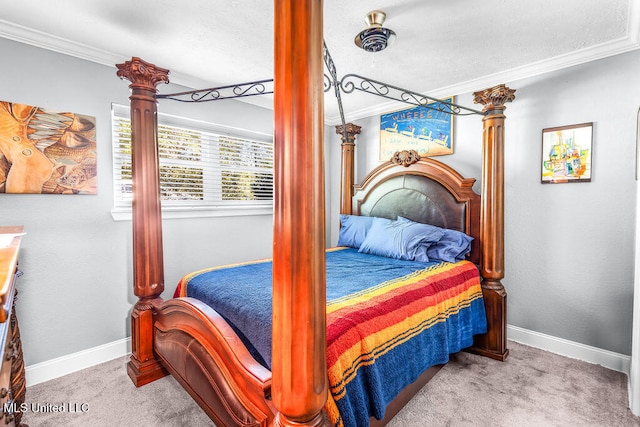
[
  {"x": 494, "y": 343},
  {"x": 148, "y": 268},
  {"x": 347, "y": 178},
  {"x": 299, "y": 365}
]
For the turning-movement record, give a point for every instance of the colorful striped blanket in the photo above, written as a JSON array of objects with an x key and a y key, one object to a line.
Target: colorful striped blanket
[{"x": 388, "y": 320}]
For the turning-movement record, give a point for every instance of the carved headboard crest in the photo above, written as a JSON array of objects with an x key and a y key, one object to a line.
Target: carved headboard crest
[{"x": 405, "y": 157}]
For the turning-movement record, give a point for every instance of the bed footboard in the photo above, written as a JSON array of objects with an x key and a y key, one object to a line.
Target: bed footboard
[{"x": 206, "y": 356}]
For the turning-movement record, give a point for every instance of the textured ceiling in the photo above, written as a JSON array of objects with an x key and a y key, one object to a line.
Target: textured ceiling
[{"x": 443, "y": 47}]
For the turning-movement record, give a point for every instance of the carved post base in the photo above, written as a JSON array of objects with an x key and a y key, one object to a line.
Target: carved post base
[
  {"x": 143, "y": 367},
  {"x": 142, "y": 373},
  {"x": 493, "y": 344}
]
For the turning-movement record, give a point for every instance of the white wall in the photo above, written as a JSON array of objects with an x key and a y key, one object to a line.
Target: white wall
[
  {"x": 76, "y": 291},
  {"x": 569, "y": 247}
]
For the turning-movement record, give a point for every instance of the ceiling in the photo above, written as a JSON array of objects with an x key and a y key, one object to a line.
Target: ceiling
[{"x": 443, "y": 47}]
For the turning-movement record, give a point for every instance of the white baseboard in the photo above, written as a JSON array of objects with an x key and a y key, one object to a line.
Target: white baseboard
[
  {"x": 70, "y": 363},
  {"x": 58, "y": 367},
  {"x": 608, "y": 359}
]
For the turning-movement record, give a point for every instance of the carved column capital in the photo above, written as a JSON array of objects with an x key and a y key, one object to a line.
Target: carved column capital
[
  {"x": 348, "y": 132},
  {"x": 142, "y": 74},
  {"x": 494, "y": 98}
]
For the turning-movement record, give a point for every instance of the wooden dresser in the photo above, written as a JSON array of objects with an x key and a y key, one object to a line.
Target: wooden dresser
[{"x": 12, "y": 380}]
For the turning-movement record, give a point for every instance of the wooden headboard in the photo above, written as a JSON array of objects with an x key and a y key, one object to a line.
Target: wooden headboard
[{"x": 425, "y": 191}]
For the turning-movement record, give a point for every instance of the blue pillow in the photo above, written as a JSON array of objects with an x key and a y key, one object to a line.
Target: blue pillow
[
  {"x": 353, "y": 230},
  {"x": 453, "y": 246},
  {"x": 400, "y": 239}
]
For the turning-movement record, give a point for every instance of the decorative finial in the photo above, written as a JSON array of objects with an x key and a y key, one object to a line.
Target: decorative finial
[
  {"x": 405, "y": 157},
  {"x": 494, "y": 98},
  {"x": 141, "y": 74}
]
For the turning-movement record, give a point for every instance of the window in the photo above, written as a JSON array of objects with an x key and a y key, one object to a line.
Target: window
[{"x": 204, "y": 168}]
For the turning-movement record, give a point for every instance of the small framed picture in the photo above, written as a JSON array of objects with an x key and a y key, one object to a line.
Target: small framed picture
[{"x": 566, "y": 153}]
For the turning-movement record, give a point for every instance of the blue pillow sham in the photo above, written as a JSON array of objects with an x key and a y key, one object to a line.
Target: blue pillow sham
[
  {"x": 453, "y": 246},
  {"x": 353, "y": 230},
  {"x": 405, "y": 240}
]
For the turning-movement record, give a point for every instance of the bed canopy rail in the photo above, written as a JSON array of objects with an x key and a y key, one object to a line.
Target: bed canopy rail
[
  {"x": 356, "y": 83},
  {"x": 349, "y": 83},
  {"x": 239, "y": 90},
  {"x": 332, "y": 80},
  {"x": 299, "y": 387}
]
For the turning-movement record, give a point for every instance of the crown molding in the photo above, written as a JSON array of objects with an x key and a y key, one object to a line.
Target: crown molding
[
  {"x": 533, "y": 69},
  {"x": 615, "y": 47},
  {"x": 629, "y": 43},
  {"x": 36, "y": 38},
  {"x": 19, "y": 33}
]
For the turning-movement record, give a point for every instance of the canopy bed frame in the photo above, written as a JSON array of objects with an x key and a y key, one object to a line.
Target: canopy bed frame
[{"x": 190, "y": 340}]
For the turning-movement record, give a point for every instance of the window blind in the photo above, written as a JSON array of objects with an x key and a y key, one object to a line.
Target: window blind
[{"x": 199, "y": 166}]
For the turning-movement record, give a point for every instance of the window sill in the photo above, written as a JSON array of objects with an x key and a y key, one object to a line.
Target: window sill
[{"x": 124, "y": 214}]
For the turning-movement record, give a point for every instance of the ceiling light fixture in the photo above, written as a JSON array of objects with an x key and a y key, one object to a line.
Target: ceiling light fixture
[{"x": 375, "y": 38}]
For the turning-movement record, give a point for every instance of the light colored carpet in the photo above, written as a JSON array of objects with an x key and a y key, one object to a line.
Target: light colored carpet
[{"x": 532, "y": 388}]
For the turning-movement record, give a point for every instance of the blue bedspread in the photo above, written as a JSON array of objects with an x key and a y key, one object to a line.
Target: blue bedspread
[{"x": 403, "y": 315}]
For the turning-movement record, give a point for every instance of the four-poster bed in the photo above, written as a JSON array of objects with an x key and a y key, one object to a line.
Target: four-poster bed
[{"x": 192, "y": 341}]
